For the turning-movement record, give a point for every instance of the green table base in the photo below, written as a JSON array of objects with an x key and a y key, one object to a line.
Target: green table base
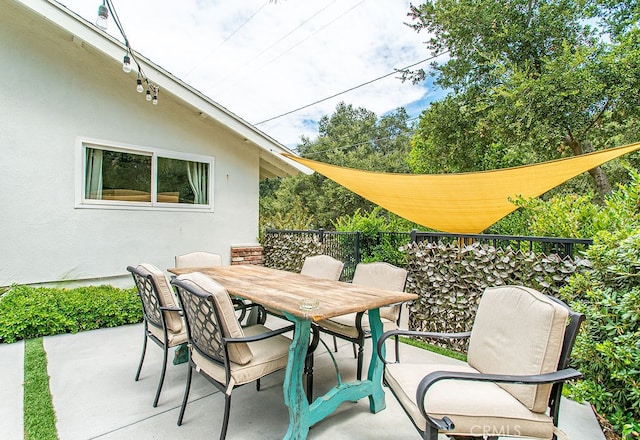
[{"x": 302, "y": 415}]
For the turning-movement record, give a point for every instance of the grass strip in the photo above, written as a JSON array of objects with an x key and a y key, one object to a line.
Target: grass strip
[
  {"x": 39, "y": 416},
  {"x": 434, "y": 348}
]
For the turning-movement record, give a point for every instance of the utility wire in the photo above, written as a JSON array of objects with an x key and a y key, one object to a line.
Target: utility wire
[
  {"x": 351, "y": 89},
  {"x": 228, "y": 38}
]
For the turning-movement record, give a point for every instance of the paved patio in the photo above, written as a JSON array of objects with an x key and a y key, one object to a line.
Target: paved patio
[{"x": 95, "y": 396}]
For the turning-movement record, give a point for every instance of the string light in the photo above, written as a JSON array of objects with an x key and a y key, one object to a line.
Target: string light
[{"x": 106, "y": 9}]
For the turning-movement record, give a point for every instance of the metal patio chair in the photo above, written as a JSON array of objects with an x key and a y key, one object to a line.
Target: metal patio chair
[
  {"x": 162, "y": 321},
  {"x": 223, "y": 352},
  {"x": 354, "y": 327},
  {"x": 511, "y": 384}
]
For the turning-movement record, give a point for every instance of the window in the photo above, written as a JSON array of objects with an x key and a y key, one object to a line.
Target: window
[{"x": 135, "y": 177}]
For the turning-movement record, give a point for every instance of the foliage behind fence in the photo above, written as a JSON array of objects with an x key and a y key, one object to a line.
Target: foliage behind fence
[
  {"x": 450, "y": 279},
  {"x": 448, "y": 274}
]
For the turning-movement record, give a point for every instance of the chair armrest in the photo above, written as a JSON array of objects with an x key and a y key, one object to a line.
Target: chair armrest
[
  {"x": 259, "y": 337},
  {"x": 431, "y": 378},
  {"x": 431, "y": 335},
  {"x": 171, "y": 309}
]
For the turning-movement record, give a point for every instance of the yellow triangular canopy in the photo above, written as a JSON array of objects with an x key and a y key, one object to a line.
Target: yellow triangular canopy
[{"x": 465, "y": 203}]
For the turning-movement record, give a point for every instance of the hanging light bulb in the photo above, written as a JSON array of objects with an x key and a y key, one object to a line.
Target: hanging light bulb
[
  {"x": 126, "y": 64},
  {"x": 103, "y": 15},
  {"x": 155, "y": 100},
  {"x": 148, "y": 95},
  {"x": 139, "y": 87}
]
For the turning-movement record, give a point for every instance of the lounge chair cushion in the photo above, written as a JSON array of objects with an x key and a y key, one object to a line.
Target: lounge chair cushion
[
  {"x": 172, "y": 319},
  {"x": 496, "y": 343},
  {"x": 465, "y": 402},
  {"x": 269, "y": 355},
  {"x": 239, "y": 353}
]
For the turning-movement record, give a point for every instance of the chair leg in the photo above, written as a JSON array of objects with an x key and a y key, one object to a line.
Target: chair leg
[
  {"x": 225, "y": 421},
  {"x": 431, "y": 433},
  {"x": 164, "y": 370},
  {"x": 397, "y": 348},
  {"x": 360, "y": 360},
  {"x": 258, "y": 385},
  {"x": 335, "y": 345},
  {"x": 144, "y": 350},
  {"x": 186, "y": 395}
]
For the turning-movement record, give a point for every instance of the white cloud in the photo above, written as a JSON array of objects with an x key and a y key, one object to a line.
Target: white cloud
[{"x": 261, "y": 59}]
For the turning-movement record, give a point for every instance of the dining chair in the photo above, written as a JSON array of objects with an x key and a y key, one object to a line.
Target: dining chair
[
  {"x": 198, "y": 259},
  {"x": 162, "y": 321},
  {"x": 322, "y": 266},
  {"x": 511, "y": 384},
  {"x": 222, "y": 351},
  {"x": 354, "y": 327}
]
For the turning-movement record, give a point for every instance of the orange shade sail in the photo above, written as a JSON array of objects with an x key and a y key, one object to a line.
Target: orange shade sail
[{"x": 465, "y": 203}]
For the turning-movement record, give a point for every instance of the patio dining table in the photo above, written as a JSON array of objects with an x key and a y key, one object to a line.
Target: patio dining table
[{"x": 290, "y": 293}]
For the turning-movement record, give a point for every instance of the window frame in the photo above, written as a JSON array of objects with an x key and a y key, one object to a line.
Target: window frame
[{"x": 82, "y": 144}]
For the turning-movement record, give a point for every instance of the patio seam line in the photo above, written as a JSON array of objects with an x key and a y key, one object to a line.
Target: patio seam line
[{"x": 150, "y": 417}]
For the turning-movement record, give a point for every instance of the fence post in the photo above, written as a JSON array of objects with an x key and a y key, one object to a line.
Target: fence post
[
  {"x": 414, "y": 235},
  {"x": 321, "y": 235},
  {"x": 357, "y": 247}
]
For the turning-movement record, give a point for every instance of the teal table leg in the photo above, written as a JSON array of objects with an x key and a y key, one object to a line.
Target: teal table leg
[
  {"x": 376, "y": 399},
  {"x": 294, "y": 395}
]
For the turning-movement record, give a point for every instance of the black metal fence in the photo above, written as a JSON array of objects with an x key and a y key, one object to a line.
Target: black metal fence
[{"x": 350, "y": 247}]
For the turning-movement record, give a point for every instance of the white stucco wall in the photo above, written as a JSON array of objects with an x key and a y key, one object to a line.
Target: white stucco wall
[{"x": 54, "y": 91}]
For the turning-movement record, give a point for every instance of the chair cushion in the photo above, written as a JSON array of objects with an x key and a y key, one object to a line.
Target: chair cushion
[
  {"x": 464, "y": 402},
  {"x": 239, "y": 353},
  {"x": 346, "y": 324},
  {"x": 381, "y": 275},
  {"x": 198, "y": 259},
  {"x": 322, "y": 266},
  {"x": 269, "y": 355},
  {"x": 172, "y": 319},
  {"x": 174, "y": 339},
  {"x": 518, "y": 330}
]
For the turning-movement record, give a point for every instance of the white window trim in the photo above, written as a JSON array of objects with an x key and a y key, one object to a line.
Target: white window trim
[{"x": 81, "y": 202}]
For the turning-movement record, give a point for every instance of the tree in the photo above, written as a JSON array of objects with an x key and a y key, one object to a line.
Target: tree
[
  {"x": 351, "y": 137},
  {"x": 529, "y": 80}
]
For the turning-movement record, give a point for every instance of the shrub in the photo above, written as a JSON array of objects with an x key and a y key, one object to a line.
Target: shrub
[
  {"x": 607, "y": 351},
  {"x": 30, "y": 312}
]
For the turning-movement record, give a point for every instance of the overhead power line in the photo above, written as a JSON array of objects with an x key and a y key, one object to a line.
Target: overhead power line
[{"x": 351, "y": 89}]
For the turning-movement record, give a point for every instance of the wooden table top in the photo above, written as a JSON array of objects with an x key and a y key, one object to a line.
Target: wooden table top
[{"x": 284, "y": 290}]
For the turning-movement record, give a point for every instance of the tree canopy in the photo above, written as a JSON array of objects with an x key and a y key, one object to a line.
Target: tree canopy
[
  {"x": 351, "y": 137},
  {"x": 529, "y": 81}
]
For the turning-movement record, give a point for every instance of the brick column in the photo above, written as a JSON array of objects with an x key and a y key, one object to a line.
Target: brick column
[{"x": 251, "y": 254}]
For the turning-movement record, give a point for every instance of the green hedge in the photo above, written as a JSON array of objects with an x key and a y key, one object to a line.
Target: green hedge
[{"x": 31, "y": 312}]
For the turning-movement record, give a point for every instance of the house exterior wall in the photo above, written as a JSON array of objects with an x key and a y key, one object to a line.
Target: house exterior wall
[{"x": 54, "y": 92}]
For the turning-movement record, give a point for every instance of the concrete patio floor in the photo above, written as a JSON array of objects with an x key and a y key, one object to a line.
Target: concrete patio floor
[{"x": 95, "y": 396}]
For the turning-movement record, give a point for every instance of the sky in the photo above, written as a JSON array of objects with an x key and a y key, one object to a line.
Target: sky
[{"x": 262, "y": 59}]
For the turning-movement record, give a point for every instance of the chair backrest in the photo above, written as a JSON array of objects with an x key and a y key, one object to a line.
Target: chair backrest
[
  {"x": 155, "y": 292},
  {"x": 210, "y": 316},
  {"x": 519, "y": 331},
  {"x": 198, "y": 259},
  {"x": 322, "y": 266},
  {"x": 382, "y": 276}
]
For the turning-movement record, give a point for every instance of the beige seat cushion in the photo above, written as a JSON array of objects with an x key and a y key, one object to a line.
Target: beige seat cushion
[
  {"x": 172, "y": 319},
  {"x": 239, "y": 353},
  {"x": 322, "y": 266},
  {"x": 198, "y": 259},
  {"x": 464, "y": 402},
  {"x": 269, "y": 355},
  {"x": 379, "y": 275},
  {"x": 518, "y": 331},
  {"x": 346, "y": 324},
  {"x": 173, "y": 338}
]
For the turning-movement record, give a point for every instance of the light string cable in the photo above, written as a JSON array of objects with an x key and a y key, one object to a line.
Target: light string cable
[{"x": 151, "y": 88}]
